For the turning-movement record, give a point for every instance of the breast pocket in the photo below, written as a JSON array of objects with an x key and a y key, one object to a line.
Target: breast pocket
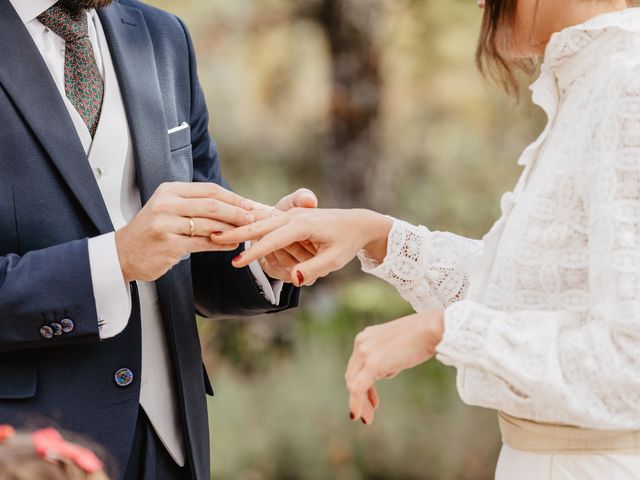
[{"x": 181, "y": 155}]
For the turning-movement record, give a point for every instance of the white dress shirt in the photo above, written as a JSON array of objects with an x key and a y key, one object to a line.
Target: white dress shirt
[{"x": 542, "y": 316}]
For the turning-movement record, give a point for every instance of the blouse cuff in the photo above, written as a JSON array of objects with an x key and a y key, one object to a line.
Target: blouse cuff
[
  {"x": 466, "y": 330},
  {"x": 403, "y": 264}
]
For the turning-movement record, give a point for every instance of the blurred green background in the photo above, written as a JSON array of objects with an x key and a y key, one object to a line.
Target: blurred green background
[{"x": 370, "y": 103}]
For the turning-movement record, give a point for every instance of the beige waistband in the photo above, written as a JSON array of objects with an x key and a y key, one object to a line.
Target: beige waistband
[{"x": 562, "y": 439}]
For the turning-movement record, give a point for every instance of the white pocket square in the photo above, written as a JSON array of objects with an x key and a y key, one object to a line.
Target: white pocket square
[{"x": 182, "y": 126}]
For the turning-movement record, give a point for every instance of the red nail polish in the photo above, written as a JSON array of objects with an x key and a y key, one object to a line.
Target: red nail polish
[
  {"x": 300, "y": 278},
  {"x": 364, "y": 421},
  {"x": 352, "y": 416},
  {"x": 236, "y": 259}
]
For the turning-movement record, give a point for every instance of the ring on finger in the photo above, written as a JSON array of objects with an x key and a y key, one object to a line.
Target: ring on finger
[{"x": 192, "y": 227}]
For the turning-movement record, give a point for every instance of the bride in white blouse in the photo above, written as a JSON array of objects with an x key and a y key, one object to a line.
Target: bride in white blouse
[{"x": 541, "y": 318}]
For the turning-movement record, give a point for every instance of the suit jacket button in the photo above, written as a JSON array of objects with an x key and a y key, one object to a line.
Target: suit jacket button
[
  {"x": 124, "y": 377},
  {"x": 46, "y": 332},
  {"x": 57, "y": 329},
  {"x": 67, "y": 325}
]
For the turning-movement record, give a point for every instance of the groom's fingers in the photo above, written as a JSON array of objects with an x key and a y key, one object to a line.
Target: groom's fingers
[
  {"x": 299, "y": 252},
  {"x": 285, "y": 260},
  {"x": 302, "y": 198},
  {"x": 205, "y": 190},
  {"x": 309, "y": 247},
  {"x": 214, "y": 210},
  {"x": 272, "y": 267}
]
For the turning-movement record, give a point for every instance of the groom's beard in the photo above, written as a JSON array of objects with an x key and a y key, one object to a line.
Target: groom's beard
[{"x": 76, "y": 6}]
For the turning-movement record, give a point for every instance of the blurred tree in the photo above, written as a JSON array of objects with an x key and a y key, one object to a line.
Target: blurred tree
[
  {"x": 355, "y": 160},
  {"x": 370, "y": 103}
]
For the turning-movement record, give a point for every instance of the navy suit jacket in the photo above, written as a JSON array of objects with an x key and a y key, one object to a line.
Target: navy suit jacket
[{"x": 50, "y": 205}]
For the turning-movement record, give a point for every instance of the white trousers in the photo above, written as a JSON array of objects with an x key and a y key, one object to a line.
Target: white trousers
[{"x": 519, "y": 465}]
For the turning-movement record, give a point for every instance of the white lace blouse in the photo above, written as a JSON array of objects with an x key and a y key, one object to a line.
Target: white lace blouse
[{"x": 542, "y": 316}]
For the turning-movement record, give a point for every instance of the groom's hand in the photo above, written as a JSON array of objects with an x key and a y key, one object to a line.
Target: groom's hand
[
  {"x": 302, "y": 198},
  {"x": 179, "y": 219}
]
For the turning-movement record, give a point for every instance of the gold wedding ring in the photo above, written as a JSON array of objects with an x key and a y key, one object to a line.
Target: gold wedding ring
[{"x": 192, "y": 227}]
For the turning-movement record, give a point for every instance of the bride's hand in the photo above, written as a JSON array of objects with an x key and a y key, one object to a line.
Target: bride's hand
[
  {"x": 383, "y": 351},
  {"x": 279, "y": 264},
  {"x": 336, "y": 235}
]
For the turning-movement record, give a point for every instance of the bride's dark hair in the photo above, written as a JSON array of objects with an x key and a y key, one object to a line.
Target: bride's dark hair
[{"x": 495, "y": 35}]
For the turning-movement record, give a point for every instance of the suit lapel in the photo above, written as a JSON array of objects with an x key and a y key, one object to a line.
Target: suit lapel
[
  {"x": 27, "y": 80},
  {"x": 133, "y": 57},
  {"x": 134, "y": 61}
]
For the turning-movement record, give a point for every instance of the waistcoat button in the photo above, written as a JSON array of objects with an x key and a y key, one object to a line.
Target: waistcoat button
[{"x": 124, "y": 377}]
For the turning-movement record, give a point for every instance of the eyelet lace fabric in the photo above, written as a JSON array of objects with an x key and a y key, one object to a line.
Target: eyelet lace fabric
[{"x": 542, "y": 316}]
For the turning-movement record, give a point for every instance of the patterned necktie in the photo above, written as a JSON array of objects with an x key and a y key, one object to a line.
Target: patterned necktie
[{"x": 83, "y": 82}]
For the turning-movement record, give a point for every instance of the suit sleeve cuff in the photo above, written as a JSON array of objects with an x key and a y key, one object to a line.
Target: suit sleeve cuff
[
  {"x": 111, "y": 293},
  {"x": 271, "y": 291}
]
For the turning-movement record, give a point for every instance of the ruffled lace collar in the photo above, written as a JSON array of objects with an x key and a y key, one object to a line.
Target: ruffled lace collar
[
  {"x": 569, "y": 54},
  {"x": 567, "y": 43}
]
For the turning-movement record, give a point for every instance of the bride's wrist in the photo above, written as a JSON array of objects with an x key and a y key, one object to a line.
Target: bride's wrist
[
  {"x": 432, "y": 328},
  {"x": 376, "y": 233}
]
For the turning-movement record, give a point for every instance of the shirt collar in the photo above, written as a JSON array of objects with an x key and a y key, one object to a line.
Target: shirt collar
[{"x": 28, "y": 10}]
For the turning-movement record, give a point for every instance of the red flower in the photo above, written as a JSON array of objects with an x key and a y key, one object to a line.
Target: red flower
[
  {"x": 6, "y": 432},
  {"x": 50, "y": 445}
]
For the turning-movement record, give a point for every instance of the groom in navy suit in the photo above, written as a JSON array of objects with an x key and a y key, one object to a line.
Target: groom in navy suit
[{"x": 111, "y": 196}]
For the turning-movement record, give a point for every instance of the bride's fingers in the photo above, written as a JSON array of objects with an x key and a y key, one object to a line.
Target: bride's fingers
[
  {"x": 358, "y": 392},
  {"x": 356, "y": 361},
  {"x": 368, "y": 412},
  {"x": 370, "y": 406},
  {"x": 374, "y": 398},
  {"x": 320, "y": 266},
  {"x": 253, "y": 231},
  {"x": 273, "y": 240}
]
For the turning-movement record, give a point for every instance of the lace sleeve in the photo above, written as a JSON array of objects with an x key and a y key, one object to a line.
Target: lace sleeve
[
  {"x": 427, "y": 268},
  {"x": 578, "y": 367}
]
